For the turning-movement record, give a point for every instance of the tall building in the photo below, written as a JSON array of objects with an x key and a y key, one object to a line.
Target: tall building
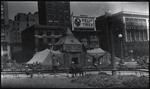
[
  {"x": 54, "y": 13},
  {"x": 5, "y": 46},
  {"x": 134, "y": 28},
  {"x": 21, "y": 22}
]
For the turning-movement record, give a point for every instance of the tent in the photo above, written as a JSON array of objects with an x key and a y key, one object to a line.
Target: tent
[
  {"x": 96, "y": 52},
  {"x": 45, "y": 57}
]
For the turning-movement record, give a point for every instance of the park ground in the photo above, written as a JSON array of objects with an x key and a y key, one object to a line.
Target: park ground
[{"x": 48, "y": 81}]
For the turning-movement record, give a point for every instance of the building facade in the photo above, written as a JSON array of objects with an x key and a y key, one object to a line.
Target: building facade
[
  {"x": 54, "y": 13},
  {"x": 39, "y": 37},
  {"x": 83, "y": 28},
  {"x": 134, "y": 28},
  {"x": 21, "y": 22},
  {"x": 5, "y": 46}
]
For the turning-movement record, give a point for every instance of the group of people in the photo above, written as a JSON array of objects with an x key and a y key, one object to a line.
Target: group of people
[{"x": 75, "y": 69}]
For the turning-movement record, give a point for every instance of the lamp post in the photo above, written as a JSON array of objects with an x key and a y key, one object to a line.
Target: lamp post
[
  {"x": 111, "y": 40},
  {"x": 120, "y": 37}
]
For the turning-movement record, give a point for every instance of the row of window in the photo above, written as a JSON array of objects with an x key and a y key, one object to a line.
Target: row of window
[
  {"x": 92, "y": 43},
  {"x": 41, "y": 33},
  {"x": 134, "y": 23},
  {"x": 48, "y": 33},
  {"x": 58, "y": 5},
  {"x": 49, "y": 40},
  {"x": 132, "y": 36}
]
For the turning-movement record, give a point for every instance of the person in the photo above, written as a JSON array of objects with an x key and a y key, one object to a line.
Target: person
[
  {"x": 121, "y": 63},
  {"x": 94, "y": 60},
  {"x": 72, "y": 69},
  {"x": 58, "y": 63},
  {"x": 55, "y": 65},
  {"x": 89, "y": 62}
]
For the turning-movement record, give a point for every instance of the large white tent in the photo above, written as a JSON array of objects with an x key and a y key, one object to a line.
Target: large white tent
[{"x": 45, "y": 57}]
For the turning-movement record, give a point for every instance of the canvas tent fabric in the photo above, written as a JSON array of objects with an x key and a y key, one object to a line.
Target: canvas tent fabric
[
  {"x": 45, "y": 57},
  {"x": 104, "y": 56},
  {"x": 96, "y": 52}
]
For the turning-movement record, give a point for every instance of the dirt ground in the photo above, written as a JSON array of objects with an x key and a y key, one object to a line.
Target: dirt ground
[{"x": 49, "y": 81}]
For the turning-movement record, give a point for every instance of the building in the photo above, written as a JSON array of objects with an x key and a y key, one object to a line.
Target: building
[
  {"x": 5, "y": 46},
  {"x": 72, "y": 50},
  {"x": 83, "y": 28},
  {"x": 21, "y": 22},
  {"x": 54, "y": 13},
  {"x": 39, "y": 37},
  {"x": 134, "y": 28}
]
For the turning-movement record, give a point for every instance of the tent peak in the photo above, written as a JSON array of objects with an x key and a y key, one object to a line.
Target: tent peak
[{"x": 69, "y": 33}]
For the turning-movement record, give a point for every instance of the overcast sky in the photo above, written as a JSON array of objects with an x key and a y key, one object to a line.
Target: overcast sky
[{"x": 81, "y": 8}]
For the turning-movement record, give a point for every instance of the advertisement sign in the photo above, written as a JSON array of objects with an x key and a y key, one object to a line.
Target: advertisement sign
[{"x": 83, "y": 22}]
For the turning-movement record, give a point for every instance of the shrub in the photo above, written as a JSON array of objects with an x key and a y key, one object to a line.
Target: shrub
[{"x": 104, "y": 80}]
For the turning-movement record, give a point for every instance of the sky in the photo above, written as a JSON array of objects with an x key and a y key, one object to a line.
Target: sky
[{"x": 90, "y": 8}]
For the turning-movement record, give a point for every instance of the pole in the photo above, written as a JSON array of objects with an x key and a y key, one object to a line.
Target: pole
[
  {"x": 111, "y": 40},
  {"x": 114, "y": 71},
  {"x": 112, "y": 49},
  {"x": 121, "y": 50}
]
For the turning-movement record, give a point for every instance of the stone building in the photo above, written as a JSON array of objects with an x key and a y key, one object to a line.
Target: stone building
[
  {"x": 5, "y": 45},
  {"x": 134, "y": 28}
]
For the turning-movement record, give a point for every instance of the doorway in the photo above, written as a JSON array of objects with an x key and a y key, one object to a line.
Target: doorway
[{"x": 75, "y": 60}]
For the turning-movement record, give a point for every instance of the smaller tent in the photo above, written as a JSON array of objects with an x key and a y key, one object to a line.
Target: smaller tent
[
  {"x": 96, "y": 52},
  {"x": 45, "y": 57},
  {"x": 101, "y": 56}
]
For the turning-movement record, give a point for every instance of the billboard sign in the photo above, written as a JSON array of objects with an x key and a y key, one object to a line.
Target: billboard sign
[{"x": 79, "y": 22}]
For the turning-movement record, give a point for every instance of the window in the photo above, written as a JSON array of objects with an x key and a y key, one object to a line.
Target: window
[
  {"x": 145, "y": 36},
  {"x": 40, "y": 40},
  {"x": 84, "y": 41},
  {"x": 141, "y": 35},
  {"x": 132, "y": 36},
  {"x": 3, "y": 38},
  {"x": 27, "y": 25},
  {"x": 128, "y": 36},
  {"x": 2, "y": 31},
  {"x": 56, "y": 40},
  {"x": 48, "y": 33},
  {"x": 49, "y": 40},
  {"x": 137, "y": 36},
  {"x": 94, "y": 43},
  {"x": 40, "y": 33},
  {"x": 5, "y": 47}
]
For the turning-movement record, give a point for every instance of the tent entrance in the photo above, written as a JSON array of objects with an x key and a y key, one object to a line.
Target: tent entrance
[{"x": 75, "y": 60}]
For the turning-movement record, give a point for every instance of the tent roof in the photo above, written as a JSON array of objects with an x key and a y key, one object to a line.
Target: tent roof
[
  {"x": 96, "y": 51},
  {"x": 68, "y": 39},
  {"x": 41, "y": 56}
]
